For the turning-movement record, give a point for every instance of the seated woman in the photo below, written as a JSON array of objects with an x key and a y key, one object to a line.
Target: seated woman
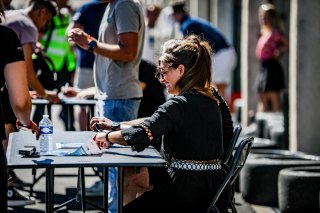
[{"x": 191, "y": 126}]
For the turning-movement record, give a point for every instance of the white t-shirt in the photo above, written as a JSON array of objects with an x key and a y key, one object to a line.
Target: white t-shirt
[{"x": 22, "y": 24}]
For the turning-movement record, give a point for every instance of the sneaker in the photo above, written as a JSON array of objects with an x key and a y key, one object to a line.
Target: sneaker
[
  {"x": 15, "y": 198},
  {"x": 95, "y": 190}
]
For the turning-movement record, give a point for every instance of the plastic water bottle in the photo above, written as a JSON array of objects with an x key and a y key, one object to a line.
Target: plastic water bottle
[{"x": 46, "y": 132}]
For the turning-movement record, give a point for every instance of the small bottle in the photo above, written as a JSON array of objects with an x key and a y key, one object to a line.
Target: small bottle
[{"x": 46, "y": 133}]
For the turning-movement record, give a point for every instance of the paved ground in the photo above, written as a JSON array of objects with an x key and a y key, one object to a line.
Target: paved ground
[{"x": 65, "y": 188}]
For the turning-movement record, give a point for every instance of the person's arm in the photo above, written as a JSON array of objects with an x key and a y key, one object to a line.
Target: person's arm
[
  {"x": 145, "y": 131},
  {"x": 283, "y": 48},
  {"x": 113, "y": 137},
  {"x": 125, "y": 50},
  {"x": 17, "y": 84},
  {"x": 31, "y": 74},
  {"x": 105, "y": 123}
]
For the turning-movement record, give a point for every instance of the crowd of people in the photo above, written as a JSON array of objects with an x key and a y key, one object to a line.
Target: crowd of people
[{"x": 152, "y": 86}]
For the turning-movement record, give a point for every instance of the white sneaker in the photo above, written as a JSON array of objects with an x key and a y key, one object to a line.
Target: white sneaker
[
  {"x": 15, "y": 198},
  {"x": 95, "y": 190}
]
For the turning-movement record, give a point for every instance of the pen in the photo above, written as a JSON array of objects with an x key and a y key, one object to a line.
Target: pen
[{"x": 97, "y": 127}]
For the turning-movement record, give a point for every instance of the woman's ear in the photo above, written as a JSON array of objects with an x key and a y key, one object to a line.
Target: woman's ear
[{"x": 181, "y": 69}]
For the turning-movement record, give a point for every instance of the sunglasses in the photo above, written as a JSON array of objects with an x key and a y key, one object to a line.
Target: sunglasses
[{"x": 162, "y": 71}]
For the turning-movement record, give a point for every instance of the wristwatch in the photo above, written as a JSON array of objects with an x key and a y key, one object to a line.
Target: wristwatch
[
  {"x": 115, "y": 126},
  {"x": 91, "y": 45}
]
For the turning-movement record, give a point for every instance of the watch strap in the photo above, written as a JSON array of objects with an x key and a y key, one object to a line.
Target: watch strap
[
  {"x": 107, "y": 137},
  {"x": 91, "y": 45}
]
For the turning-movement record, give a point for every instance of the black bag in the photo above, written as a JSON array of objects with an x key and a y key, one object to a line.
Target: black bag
[
  {"x": 45, "y": 75},
  {"x": 43, "y": 65}
]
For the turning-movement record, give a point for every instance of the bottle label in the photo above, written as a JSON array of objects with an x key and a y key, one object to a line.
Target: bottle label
[{"x": 46, "y": 130}]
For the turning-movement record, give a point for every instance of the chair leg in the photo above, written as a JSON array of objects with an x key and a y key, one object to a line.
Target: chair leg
[
  {"x": 213, "y": 209},
  {"x": 233, "y": 208}
]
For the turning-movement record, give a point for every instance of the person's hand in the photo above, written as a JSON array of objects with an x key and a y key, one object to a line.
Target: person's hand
[
  {"x": 33, "y": 94},
  {"x": 31, "y": 126},
  {"x": 79, "y": 37},
  {"x": 100, "y": 139},
  {"x": 103, "y": 122},
  {"x": 86, "y": 94},
  {"x": 52, "y": 98},
  {"x": 69, "y": 91}
]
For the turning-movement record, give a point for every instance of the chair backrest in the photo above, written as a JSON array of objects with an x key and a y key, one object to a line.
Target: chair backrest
[
  {"x": 237, "y": 161},
  {"x": 236, "y": 132}
]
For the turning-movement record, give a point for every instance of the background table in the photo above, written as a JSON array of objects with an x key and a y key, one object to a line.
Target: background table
[
  {"x": 69, "y": 102},
  {"x": 113, "y": 157}
]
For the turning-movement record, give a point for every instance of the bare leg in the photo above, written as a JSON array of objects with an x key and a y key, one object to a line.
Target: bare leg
[
  {"x": 274, "y": 97},
  {"x": 82, "y": 117},
  {"x": 135, "y": 183},
  {"x": 262, "y": 103}
]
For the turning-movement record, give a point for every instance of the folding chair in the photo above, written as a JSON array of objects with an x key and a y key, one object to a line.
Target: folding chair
[
  {"x": 236, "y": 132},
  {"x": 237, "y": 161}
]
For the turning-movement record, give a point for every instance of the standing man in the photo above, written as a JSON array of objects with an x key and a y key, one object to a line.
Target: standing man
[
  {"x": 224, "y": 59},
  {"x": 118, "y": 53}
]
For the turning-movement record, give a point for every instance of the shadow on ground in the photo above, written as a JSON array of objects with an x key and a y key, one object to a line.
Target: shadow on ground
[{"x": 59, "y": 199}]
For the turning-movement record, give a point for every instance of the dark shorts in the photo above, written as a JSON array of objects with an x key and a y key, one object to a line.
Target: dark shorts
[{"x": 271, "y": 76}]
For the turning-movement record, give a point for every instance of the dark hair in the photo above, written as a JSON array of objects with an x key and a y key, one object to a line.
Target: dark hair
[
  {"x": 270, "y": 11},
  {"x": 49, "y": 4},
  {"x": 195, "y": 55},
  {"x": 180, "y": 7}
]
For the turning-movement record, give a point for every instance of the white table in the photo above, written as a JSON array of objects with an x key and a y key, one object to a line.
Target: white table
[{"x": 113, "y": 157}]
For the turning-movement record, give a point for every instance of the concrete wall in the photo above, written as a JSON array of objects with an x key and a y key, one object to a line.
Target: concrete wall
[
  {"x": 301, "y": 65},
  {"x": 249, "y": 64},
  {"x": 304, "y": 81}
]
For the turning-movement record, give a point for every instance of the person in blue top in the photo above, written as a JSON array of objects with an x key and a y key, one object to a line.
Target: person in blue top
[{"x": 224, "y": 59}]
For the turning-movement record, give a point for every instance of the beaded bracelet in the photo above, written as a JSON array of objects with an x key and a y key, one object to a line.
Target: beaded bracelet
[{"x": 148, "y": 132}]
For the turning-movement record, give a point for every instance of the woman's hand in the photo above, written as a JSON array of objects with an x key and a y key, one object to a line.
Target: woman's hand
[
  {"x": 103, "y": 122},
  {"x": 100, "y": 139}
]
